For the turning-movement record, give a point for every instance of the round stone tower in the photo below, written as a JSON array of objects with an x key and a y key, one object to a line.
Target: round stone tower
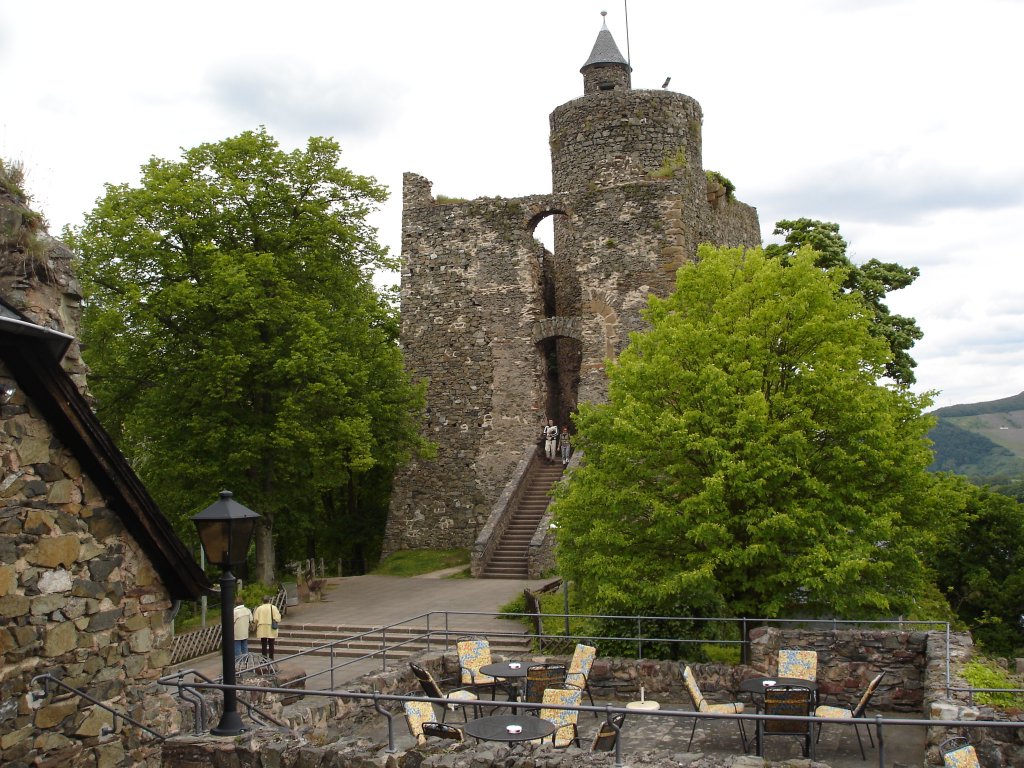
[{"x": 614, "y": 134}]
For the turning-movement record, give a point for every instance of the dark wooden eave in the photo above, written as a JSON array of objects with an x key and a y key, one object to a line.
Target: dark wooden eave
[{"x": 31, "y": 361}]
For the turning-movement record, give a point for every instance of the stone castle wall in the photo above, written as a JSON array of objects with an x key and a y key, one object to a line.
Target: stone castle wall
[
  {"x": 78, "y": 599},
  {"x": 509, "y": 334}
]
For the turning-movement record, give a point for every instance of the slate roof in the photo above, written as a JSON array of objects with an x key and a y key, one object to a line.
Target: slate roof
[
  {"x": 605, "y": 50},
  {"x": 33, "y": 355}
]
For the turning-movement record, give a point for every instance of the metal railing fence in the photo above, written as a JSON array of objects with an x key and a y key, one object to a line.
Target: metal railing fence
[
  {"x": 879, "y": 723},
  {"x": 424, "y": 629}
]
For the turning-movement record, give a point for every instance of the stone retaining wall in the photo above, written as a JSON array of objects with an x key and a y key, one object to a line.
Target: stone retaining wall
[
  {"x": 79, "y": 600},
  {"x": 849, "y": 658}
]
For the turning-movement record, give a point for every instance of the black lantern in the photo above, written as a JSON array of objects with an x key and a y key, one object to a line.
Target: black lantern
[{"x": 225, "y": 530}]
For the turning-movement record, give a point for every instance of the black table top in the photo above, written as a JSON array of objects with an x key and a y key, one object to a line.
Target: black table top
[
  {"x": 495, "y": 728},
  {"x": 502, "y": 669},
  {"x": 756, "y": 684}
]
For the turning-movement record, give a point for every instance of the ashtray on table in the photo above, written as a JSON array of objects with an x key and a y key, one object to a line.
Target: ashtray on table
[{"x": 514, "y": 728}]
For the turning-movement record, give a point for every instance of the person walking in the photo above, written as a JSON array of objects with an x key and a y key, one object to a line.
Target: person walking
[
  {"x": 565, "y": 446},
  {"x": 267, "y": 617},
  {"x": 243, "y": 621},
  {"x": 550, "y": 440}
]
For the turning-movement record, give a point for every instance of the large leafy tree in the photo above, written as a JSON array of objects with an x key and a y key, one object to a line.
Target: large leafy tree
[
  {"x": 872, "y": 280},
  {"x": 236, "y": 339},
  {"x": 979, "y": 562},
  {"x": 749, "y": 460}
]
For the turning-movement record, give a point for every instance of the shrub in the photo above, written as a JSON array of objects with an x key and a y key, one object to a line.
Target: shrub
[{"x": 985, "y": 673}]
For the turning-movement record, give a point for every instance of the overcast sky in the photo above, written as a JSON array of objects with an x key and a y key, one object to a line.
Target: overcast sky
[{"x": 901, "y": 121}]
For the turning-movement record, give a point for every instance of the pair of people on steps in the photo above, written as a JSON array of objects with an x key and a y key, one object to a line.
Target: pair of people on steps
[{"x": 556, "y": 443}]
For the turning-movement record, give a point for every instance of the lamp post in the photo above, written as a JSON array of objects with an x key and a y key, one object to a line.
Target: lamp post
[{"x": 225, "y": 529}]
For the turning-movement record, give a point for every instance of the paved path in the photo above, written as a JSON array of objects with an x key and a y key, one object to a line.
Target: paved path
[
  {"x": 376, "y": 601},
  {"x": 381, "y": 600}
]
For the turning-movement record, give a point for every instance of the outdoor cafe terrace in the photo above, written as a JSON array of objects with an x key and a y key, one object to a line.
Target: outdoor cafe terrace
[{"x": 363, "y": 724}]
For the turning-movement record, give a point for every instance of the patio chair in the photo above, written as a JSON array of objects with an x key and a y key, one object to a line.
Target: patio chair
[
  {"x": 700, "y": 704},
  {"x": 416, "y": 714},
  {"x": 799, "y": 664},
  {"x": 567, "y": 695},
  {"x": 475, "y": 652},
  {"x": 608, "y": 734},
  {"x": 442, "y": 731},
  {"x": 791, "y": 701},
  {"x": 957, "y": 752},
  {"x": 539, "y": 677},
  {"x": 838, "y": 713},
  {"x": 579, "y": 669},
  {"x": 458, "y": 699}
]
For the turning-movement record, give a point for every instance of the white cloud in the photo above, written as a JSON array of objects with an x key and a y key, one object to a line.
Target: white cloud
[{"x": 898, "y": 120}]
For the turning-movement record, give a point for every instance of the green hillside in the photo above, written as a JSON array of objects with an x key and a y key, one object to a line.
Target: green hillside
[{"x": 983, "y": 441}]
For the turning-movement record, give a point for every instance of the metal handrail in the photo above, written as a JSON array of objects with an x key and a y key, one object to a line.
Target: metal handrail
[
  {"x": 192, "y": 686},
  {"x": 608, "y": 710},
  {"x": 47, "y": 678},
  {"x": 447, "y": 634}
]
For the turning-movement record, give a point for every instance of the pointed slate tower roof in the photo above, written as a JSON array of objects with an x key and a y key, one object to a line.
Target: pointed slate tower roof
[
  {"x": 606, "y": 69},
  {"x": 605, "y": 50}
]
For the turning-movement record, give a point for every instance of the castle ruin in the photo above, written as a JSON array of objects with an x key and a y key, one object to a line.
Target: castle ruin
[{"x": 509, "y": 334}]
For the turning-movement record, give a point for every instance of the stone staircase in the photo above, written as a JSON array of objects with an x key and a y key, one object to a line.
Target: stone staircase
[
  {"x": 402, "y": 642},
  {"x": 509, "y": 560}
]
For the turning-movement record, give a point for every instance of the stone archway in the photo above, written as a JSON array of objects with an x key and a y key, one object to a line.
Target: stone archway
[{"x": 557, "y": 336}]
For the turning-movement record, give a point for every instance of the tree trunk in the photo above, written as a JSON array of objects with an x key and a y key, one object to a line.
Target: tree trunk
[{"x": 265, "y": 565}]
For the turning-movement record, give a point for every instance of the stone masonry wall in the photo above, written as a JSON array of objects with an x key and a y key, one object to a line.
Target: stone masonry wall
[
  {"x": 848, "y": 660},
  {"x": 79, "y": 600},
  {"x": 609, "y": 138},
  {"x": 470, "y": 296},
  {"x": 508, "y": 334}
]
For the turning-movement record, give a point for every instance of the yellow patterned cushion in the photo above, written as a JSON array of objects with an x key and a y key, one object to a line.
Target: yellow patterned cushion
[
  {"x": 579, "y": 667},
  {"x": 694, "y": 690},
  {"x": 799, "y": 664},
  {"x": 965, "y": 757},
  {"x": 835, "y": 713},
  {"x": 733, "y": 708},
  {"x": 416, "y": 714},
  {"x": 474, "y": 654},
  {"x": 565, "y": 719}
]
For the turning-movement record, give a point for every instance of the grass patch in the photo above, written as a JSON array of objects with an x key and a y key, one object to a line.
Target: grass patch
[
  {"x": 413, "y": 562},
  {"x": 190, "y": 616},
  {"x": 985, "y": 673},
  {"x": 670, "y": 165}
]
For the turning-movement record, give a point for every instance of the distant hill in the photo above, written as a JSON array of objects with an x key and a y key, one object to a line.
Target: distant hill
[{"x": 982, "y": 441}]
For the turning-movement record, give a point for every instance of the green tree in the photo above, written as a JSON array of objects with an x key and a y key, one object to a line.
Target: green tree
[
  {"x": 873, "y": 280},
  {"x": 748, "y": 461},
  {"x": 236, "y": 339},
  {"x": 979, "y": 563}
]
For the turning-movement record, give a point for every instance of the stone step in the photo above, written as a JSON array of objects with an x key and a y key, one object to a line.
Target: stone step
[{"x": 294, "y": 640}]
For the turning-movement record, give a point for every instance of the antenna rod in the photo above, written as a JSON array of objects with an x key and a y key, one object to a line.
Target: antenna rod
[{"x": 625, "y": 6}]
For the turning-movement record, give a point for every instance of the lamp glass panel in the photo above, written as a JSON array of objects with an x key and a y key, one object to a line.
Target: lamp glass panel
[{"x": 241, "y": 535}]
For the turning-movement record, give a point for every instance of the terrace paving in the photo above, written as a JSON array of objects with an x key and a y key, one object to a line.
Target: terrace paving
[{"x": 381, "y": 600}]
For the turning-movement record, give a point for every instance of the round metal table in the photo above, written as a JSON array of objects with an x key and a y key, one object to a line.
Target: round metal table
[
  {"x": 495, "y": 728},
  {"x": 501, "y": 670},
  {"x": 756, "y": 685}
]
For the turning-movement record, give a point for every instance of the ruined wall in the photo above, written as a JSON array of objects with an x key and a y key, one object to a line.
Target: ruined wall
[
  {"x": 471, "y": 293},
  {"x": 509, "y": 334}
]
